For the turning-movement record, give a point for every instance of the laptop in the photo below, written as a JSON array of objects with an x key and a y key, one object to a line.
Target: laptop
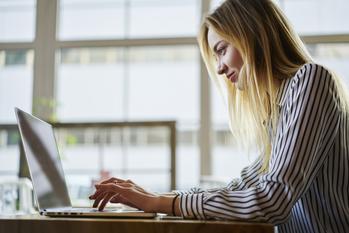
[{"x": 50, "y": 188}]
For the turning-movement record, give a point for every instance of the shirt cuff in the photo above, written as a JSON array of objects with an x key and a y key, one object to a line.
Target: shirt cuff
[{"x": 191, "y": 205}]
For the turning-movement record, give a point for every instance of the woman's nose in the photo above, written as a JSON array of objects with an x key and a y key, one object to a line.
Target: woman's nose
[{"x": 221, "y": 68}]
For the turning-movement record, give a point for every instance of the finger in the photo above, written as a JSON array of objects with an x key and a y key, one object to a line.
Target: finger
[
  {"x": 134, "y": 198},
  {"x": 120, "y": 199},
  {"x": 136, "y": 186},
  {"x": 139, "y": 189},
  {"x": 109, "y": 180},
  {"x": 103, "y": 190},
  {"x": 98, "y": 199},
  {"x": 125, "y": 190},
  {"x": 97, "y": 193},
  {"x": 116, "y": 199},
  {"x": 129, "y": 181},
  {"x": 113, "y": 188},
  {"x": 131, "y": 184},
  {"x": 131, "y": 194},
  {"x": 105, "y": 201},
  {"x": 123, "y": 187}
]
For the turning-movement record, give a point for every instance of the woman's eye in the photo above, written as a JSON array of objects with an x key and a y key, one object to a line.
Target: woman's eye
[{"x": 221, "y": 51}]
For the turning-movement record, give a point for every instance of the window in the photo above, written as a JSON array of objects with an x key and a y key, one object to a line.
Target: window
[
  {"x": 139, "y": 83},
  {"x": 17, "y": 20},
  {"x": 164, "y": 83},
  {"x": 149, "y": 71},
  {"x": 16, "y": 82},
  {"x": 333, "y": 55},
  {"x": 313, "y": 17},
  {"x": 17, "y": 27},
  {"x": 90, "y": 84},
  {"x": 109, "y": 19},
  {"x": 141, "y": 154}
]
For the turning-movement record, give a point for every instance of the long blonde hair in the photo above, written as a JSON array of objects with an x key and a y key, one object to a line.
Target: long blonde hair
[{"x": 271, "y": 51}]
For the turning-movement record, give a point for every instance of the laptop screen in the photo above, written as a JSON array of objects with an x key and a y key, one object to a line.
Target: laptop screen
[{"x": 43, "y": 160}]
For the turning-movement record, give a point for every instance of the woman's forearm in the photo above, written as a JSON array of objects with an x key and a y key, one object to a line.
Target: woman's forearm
[{"x": 165, "y": 204}]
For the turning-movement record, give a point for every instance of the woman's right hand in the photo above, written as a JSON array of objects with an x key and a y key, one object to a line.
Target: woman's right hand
[
  {"x": 118, "y": 198},
  {"x": 115, "y": 180}
]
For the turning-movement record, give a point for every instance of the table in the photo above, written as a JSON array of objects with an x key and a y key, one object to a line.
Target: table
[{"x": 38, "y": 224}]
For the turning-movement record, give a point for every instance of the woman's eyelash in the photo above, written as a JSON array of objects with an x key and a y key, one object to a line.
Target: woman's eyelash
[{"x": 220, "y": 50}]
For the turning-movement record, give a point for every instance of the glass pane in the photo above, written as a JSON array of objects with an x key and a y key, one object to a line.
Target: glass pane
[
  {"x": 108, "y": 19},
  {"x": 314, "y": 16},
  {"x": 164, "y": 84},
  {"x": 152, "y": 182},
  {"x": 334, "y": 56},
  {"x": 9, "y": 154},
  {"x": 90, "y": 154},
  {"x": 159, "y": 18},
  {"x": 219, "y": 109},
  {"x": 16, "y": 82},
  {"x": 90, "y": 84},
  {"x": 17, "y": 20},
  {"x": 109, "y": 84},
  {"x": 188, "y": 166},
  {"x": 227, "y": 159},
  {"x": 318, "y": 17},
  {"x": 93, "y": 19},
  {"x": 214, "y": 4},
  {"x": 150, "y": 157}
]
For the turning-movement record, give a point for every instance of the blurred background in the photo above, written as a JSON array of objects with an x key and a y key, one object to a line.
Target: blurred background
[{"x": 105, "y": 61}]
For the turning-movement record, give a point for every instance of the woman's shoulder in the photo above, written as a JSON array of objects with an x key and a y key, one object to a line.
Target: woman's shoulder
[
  {"x": 308, "y": 78},
  {"x": 312, "y": 70}
]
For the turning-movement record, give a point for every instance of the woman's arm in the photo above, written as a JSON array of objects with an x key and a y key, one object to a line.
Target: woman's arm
[
  {"x": 308, "y": 124},
  {"x": 249, "y": 177},
  {"x": 166, "y": 202}
]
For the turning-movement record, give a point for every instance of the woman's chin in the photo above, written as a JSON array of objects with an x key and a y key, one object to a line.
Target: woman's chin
[{"x": 239, "y": 85}]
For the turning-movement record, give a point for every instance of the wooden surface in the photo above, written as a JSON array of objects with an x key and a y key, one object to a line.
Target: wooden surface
[{"x": 37, "y": 224}]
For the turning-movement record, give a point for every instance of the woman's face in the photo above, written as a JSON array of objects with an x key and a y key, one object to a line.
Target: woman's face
[{"x": 229, "y": 61}]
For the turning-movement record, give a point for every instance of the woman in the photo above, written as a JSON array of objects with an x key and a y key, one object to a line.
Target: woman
[{"x": 295, "y": 109}]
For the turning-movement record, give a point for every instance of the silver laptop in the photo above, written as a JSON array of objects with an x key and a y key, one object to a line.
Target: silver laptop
[{"x": 47, "y": 175}]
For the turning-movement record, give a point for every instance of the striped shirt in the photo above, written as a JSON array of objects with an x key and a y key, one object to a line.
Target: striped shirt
[{"x": 306, "y": 188}]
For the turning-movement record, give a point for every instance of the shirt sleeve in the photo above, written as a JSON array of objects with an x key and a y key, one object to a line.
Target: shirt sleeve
[
  {"x": 249, "y": 177},
  {"x": 308, "y": 124}
]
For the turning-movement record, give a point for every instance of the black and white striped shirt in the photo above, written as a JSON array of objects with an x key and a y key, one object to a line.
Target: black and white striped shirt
[{"x": 306, "y": 188}]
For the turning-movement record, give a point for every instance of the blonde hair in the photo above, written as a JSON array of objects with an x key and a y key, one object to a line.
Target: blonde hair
[{"x": 271, "y": 51}]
